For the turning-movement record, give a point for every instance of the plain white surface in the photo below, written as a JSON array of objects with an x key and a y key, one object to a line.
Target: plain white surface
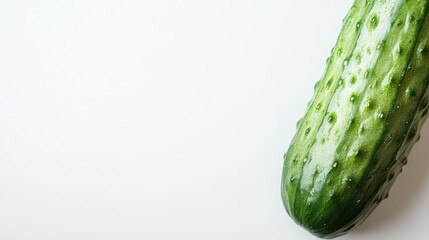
[{"x": 167, "y": 120}]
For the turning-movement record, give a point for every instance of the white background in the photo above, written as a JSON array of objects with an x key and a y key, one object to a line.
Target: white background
[{"x": 167, "y": 119}]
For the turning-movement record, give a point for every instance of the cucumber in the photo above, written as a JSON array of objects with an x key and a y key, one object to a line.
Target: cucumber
[{"x": 364, "y": 117}]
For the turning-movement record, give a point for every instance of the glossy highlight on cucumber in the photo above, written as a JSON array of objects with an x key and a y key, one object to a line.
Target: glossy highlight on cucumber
[{"x": 364, "y": 117}]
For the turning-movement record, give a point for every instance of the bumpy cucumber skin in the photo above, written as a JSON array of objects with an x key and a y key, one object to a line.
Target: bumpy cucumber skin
[{"x": 364, "y": 118}]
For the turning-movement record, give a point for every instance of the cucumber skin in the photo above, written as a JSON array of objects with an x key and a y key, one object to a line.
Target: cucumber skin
[{"x": 364, "y": 118}]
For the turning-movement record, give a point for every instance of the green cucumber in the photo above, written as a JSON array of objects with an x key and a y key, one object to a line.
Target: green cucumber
[{"x": 364, "y": 117}]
